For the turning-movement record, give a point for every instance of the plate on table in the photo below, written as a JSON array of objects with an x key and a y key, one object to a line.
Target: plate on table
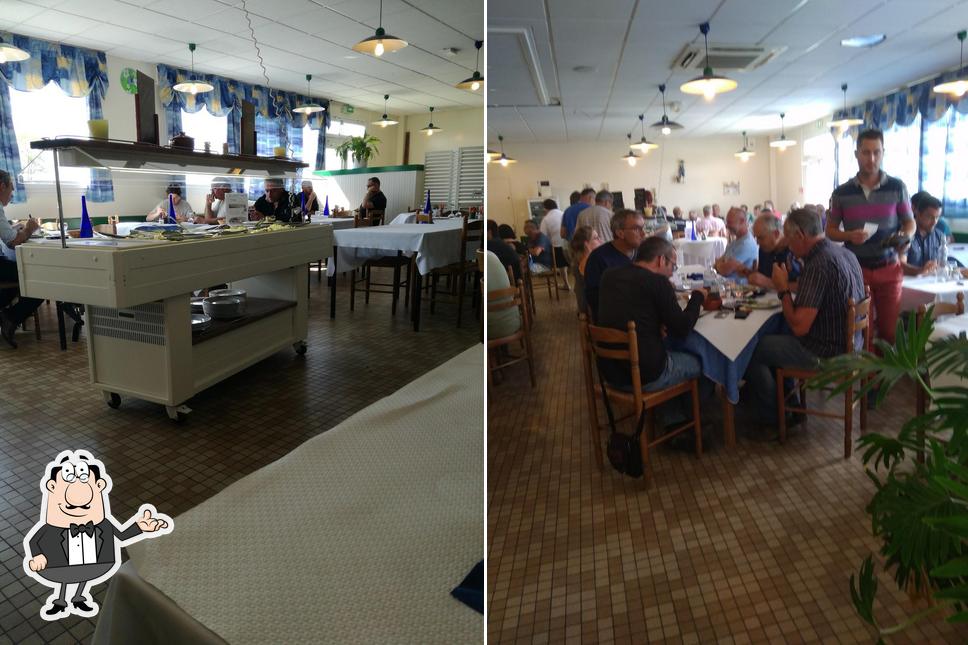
[
  {"x": 760, "y": 303},
  {"x": 201, "y": 322}
]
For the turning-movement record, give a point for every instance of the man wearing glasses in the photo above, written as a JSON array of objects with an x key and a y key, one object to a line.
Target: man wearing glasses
[
  {"x": 374, "y": 198},
  {"x": 642, "y": 291},
  {"x": 628, "y": 231}
]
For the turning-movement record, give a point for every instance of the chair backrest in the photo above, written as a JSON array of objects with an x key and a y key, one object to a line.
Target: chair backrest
[
  {"x": 480, "y": 260},
  {"x": 859, "y": 320},
  {"x": 501, "y": 299},
  {"x": 424, "y": 218},
  {"x": 614, "y": 344},
  {"x": 106, "y": 228},
  {"x": 472, "y": 236},
  {"x": 375, "y": 216},
  {"x": 955, "y": 308}
]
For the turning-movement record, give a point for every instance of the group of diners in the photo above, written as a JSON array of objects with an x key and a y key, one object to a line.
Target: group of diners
[
  {"x": 277, "y": 202},
  {"x": 815, "y": 260}
]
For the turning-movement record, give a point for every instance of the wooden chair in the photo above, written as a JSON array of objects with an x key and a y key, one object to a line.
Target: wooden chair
[
  {"x": 500, "y": 300},
  {"x": 15, "y": 287},
  {"x": 472, "y": 236},
  {"x": 424, "y": 218},
  {"x": 956, "y": 308},
  {"x": 550, "y": 277},
  {"x": 480, "y": 303},
  {"x": 858, "y": 319},
  {"x": 607, "y": 343},
  {"x": 373, "y": 217}
]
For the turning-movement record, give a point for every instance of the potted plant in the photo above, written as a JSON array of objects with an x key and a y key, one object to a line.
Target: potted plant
[
  {"x": 919, "y": 511},
  {"x": 362, "y": 149}
]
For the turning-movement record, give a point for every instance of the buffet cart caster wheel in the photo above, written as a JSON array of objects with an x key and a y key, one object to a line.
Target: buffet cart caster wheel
[
  {"x": 113, "y": 400},
  {"x": 177, "y": 413},
  {"x": 300, "y": 347}
]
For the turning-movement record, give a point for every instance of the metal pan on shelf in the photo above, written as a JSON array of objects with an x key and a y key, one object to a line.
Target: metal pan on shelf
[
  {"x": 224, "y": 307},
  {"x": 201, "y": 322}
]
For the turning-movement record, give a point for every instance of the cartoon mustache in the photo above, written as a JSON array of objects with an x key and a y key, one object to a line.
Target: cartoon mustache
[{"x": 86, "y": 507}]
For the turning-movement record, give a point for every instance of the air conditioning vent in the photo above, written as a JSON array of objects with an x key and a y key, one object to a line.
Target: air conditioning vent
[{"x": 725, "y": 57}]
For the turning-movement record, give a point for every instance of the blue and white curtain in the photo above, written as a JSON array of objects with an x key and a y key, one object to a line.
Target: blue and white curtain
[
  {"x": 944, "y": 136},
  {"x": 78, "y": 71},
  {"x": 275, "y": 122}
]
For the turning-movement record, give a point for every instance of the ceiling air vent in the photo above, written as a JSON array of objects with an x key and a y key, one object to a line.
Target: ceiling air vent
[{"x": 725, "y": 57}]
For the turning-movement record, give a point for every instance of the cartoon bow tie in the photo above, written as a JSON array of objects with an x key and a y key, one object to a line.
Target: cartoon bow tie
[{"x": 82, "y": 528}]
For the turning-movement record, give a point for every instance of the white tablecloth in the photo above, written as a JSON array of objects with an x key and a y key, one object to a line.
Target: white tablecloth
[
  {"x": 411, "y": 218},
  {"x": 729, "y": 335},
  {"x": 436, "y": 244},
  {"x": 356, "y": 536},
  {"x": 336, "y": 222},
  {"x": 926, "y": 290},
  {"x": 704, "y": 252},
  {"x": 959, "y": 252}
]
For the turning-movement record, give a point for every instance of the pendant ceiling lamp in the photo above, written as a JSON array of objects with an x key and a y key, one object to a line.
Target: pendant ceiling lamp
[
  {"x": 503, "y": 159},
  {"x": 959, "y": 87},
  {"x": 309, "y": 108},
  {"x": 744, "y": 153},
  {"x": 782, "y": 143},
  {"x": 476, "y": 81},
  {"x": 493, "y": 155},
  {"x": 431, "y": 128},
  {"x": 380, "y": 42},
  {"x": 709, "y": 84},
  {"x": 10, "y": 53},
  {"x": 385, "y": 120},
  {"x": 631, "y": 158},
  {"x": 643, "y": 144},
  {"x": 192, "y": 86},
  {"x": 845, "y": 121},
  {"x": 664, "y": 124}
]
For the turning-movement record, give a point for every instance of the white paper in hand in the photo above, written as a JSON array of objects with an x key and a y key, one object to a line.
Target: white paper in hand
[{"x": 870, "y": 229}]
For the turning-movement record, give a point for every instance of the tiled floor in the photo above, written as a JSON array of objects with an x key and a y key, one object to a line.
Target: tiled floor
[
  {"x": 755, "y": 544},
  {"x": 47, "y": 405}
]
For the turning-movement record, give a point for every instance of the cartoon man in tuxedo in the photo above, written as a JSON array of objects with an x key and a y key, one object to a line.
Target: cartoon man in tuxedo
[{"x": 77, "y": 541}]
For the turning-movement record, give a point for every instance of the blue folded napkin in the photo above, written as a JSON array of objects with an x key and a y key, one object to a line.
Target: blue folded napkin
[{"x": 471, "y": 590}]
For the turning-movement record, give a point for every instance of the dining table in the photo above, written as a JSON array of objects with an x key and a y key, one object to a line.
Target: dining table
[
  {"x": 725, "y": 347},
  {"x": 701, "y": 252},
  {"x": 432, "y": 246},
  {"x": 927, "y": 290}
]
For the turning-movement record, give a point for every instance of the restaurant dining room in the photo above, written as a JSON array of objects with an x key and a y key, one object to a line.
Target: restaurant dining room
[
  {"x": 242, "y": 319},
  {"x": 727, "y": 248}
]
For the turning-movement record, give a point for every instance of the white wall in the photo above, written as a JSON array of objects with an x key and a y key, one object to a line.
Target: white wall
[
  {"x": 460, "y": 129},
  {"x": 570, "y": 166}
]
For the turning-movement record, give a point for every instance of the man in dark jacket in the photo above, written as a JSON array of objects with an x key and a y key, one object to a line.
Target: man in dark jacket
[{"x": 642, "y": 292}]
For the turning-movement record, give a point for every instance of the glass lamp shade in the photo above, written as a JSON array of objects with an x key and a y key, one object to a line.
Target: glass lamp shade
[{"x": 11, "y": 53}]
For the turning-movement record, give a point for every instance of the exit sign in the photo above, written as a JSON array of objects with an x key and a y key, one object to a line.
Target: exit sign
[{"x": 348, "y": 109}]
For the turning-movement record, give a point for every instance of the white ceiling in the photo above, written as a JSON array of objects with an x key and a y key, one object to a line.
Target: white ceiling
[
  {"x": 296, "y": 37},
  {"x": 625, "y": 48}
]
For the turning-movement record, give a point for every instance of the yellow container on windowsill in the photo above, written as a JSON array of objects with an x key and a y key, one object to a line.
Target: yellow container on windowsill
[
  {"x": 279, "y": 152},
  {"x": 98, "y": 128}
]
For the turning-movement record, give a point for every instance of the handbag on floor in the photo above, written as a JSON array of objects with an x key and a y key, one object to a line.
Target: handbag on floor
[{"x": 624, "y": 451}]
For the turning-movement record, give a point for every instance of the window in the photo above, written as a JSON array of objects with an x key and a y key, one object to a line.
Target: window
[
  {"x": 310, "y": 144},
  {"x": 203, "y": 127},
  {"x": 902, "y": 152},
  {"x": 337, "y": 133},
  {"x": 846, "y": 161},
  {"x": 819, "y": 155},
  {"x": 935, "y": 142},
  {"x": 48, "y": 113}
]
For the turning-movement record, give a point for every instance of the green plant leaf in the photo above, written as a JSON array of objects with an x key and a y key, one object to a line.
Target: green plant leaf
[
  {"x": 863, "y": 591},
  {"x": 952, "y": 569}
]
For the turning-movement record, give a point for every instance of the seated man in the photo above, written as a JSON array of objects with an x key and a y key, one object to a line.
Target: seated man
[
  {"x": 312, "y": 201},
  {"x": 773, "y": 250},
  {"x": 215, "y": 203},
  {"x": 183, "y": 210},
  {"x": 12, "y": 317},
  {"x": 642, "y": 292},
  {"x": 539, "y": 248},
  {"x": 506, "y": 254},
  {"x": 742, "y": 252},
  {"x": 709, "y": 225},
  {"x": 277, "y": 202},
  {"x": 924, "y": 253},
  {"x": 628, "y": 231},
  {"x": 830, "y": 277},
  {"x": 374, "y": 199}
]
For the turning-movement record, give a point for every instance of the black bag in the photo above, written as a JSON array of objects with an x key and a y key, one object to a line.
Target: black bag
[{"x": 624, "y": 453}]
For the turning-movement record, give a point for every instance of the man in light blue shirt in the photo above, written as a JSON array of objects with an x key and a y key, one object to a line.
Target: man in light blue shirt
[{"x": 742, "y": 252}]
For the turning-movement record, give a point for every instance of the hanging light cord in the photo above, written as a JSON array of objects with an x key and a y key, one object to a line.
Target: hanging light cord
[{"x": 258, "y": 52}]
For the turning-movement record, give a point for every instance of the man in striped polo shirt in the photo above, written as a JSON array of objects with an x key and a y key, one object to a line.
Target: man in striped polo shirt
[{"x": 879, "y": 203}]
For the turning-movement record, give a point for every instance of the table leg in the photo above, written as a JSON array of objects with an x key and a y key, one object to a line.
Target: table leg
[
  {"x": 417, "y": 288},
  {"x": 332, "y": 287},
  {"x": 61, "y": 331},
  {"x": 396, "y": 284},
  {"x": 729, "y": 427}
]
